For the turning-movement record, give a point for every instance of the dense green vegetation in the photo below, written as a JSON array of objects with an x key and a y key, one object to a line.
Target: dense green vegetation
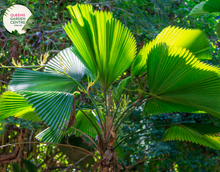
[{"x": 145, "y": 151}]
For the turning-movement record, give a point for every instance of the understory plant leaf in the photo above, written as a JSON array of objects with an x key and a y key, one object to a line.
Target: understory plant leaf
[
  {"x": 198, "y": 10},
  {"x": 205, "y": 7},
  {"x": 212, "y": 6},
  {"x": 218, "y": 29},
  {"x": 83, "y": 124},
  {"x": 30, "y": 166}
]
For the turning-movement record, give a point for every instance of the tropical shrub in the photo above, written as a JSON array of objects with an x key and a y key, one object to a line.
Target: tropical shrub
[
  {"x": 167, "y": 75},
  {"x": 207, "y": 7}
]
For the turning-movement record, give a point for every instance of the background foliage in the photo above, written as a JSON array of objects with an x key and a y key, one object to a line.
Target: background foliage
[{"x": 144, "y": 152}]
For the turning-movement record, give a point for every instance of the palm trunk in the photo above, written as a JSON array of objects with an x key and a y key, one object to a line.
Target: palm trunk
[{"x": 108, "y": 161}]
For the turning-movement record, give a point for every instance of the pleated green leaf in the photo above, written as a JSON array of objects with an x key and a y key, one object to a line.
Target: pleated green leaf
[
  {"x": 179, "y": 82},
  {"x": 12, "y": 104},
  {"x": 155, "y": 106},
  {"x": 30, "y": 80},
  {"x": 50, "y": 136},
  {"x": 82, "y": 123},
  {"x": 103, "y": 44},
  {"x": 54, "y": 108},
  {"x": 193, "y": 40},
  {"x": 55, "y": 78},
  {"x": 203, "y": 134},
  {"x": 66, "y": 61}
]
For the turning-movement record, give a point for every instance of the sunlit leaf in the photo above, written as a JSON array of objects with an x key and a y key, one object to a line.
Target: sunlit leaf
[
  {"x": 12, "y": 104},
  {"x": 66, "y": 61},
  {"x": 193, "y": 40},
  {"x": 179, "y": 82},
  {"x": 30, "y": 80},
  {"x": 103, "y": 44},
  {"x": 50, "y": 136}
]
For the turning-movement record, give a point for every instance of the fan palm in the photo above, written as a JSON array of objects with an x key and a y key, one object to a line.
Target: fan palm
[{"x": 175, "y": 80}]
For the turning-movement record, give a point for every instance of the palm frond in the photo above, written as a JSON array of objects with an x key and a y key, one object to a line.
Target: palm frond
[
  {"x": 82, "y": 123},
  {"x": 30, "y": 80},
  {"x": 103, "y": 44},
  {"x": 54, "y": 108},
  {"x": 179, "y": 80},
  {"x": 155, "y": 106},
  {"x": 193, "y": 40},
  {"x": 203, "y": 134},
  {"x": 66, "y": 61},
  {"x": 12, "y": 104},
  {"x": 50, "y": 136}
]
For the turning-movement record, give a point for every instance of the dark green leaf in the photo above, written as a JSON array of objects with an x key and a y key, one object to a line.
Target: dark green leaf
[
  {"x": 30, "y": 167},
  {"x": 203, "y": 134}
]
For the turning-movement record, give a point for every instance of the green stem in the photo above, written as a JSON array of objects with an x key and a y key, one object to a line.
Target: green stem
[
  {"x": 119, "y": 122},
  {"x": 98, "y": 111},
  {"x": 106, "y": 107},
  {"x": 129, "y": 135},
  {"x": 93, "y": 126},
  {"x": 116, "y": 110},
  {"x": 124, "y": 115}
]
